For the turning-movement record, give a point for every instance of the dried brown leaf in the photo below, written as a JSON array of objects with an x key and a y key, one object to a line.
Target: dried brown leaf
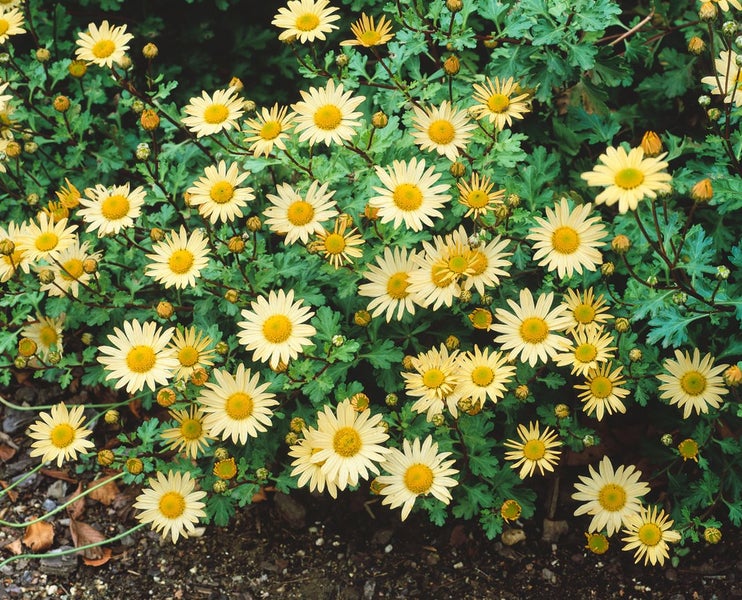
[
  {"x": 12, "y": 494},
  {"x": 39, "y": 536},
  {"x": 6, "y": 452},
  {"x": 84, "y": 534},
  {"x": 105, "y": 494},
  {"x": 57, "y": 474},
  {"x": 14, "y": 547},
  {"x": 77, "y": 507}
]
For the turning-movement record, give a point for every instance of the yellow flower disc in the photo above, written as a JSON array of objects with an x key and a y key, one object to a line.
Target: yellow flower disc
[
  {"x": 498, "y": 103},
  {"x": 72, "y": 269},
  {"x": 300, "y": 213},
  {"x": 601, "y": 387},
  {"x": 238, "y": 406},
  {"x": 482, "y": 376},
  {"x": 612, "y": 497},
  {"x": 180, "y": 261},
  {"x": 418, "y": 478},
  {"x": 277, "y": 329},
  {"x": 534, "y": 449},
  {"x": 407, "y": 196},
  {"x": 115, "y": 207},
  {"x": 191, "y": 429},
  {"x": 441, "y": 132},
  {"x": 215, "y": 114},
  {"x": 328, "y": 117},
  {"x": 565, "y": 240},
  {"x": 649, "y": 534},
  {"x": 221, "y": 192},
  {"x": 172, "y": 505},
  {"x": 533, "y": 330},
  {"x": 396, "y": 285},
  {"x": 433, "y": 378},
  {"x": 307, "y": 22},
  {"x": 46, "y": 241},
  {"x": 346, "y": 442},
  {"x": 62, "y": 435},
  {"x": 188, "y": 356},
  {"x": 629, "y": 178},
  {"x": 693, "y": 383},
  {"x": 270, "y": 130},
  {"x": 103, "y": 49}
]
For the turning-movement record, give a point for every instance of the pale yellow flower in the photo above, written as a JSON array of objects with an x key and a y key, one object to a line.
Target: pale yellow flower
[
  {"x": 297, "y": 216},
  {"x": 104, "y": 45},
  {"x": 535, "y": 450},
  {"x": 218, "y": 195},
  {"x": 179, "y": 259},
  {"x": 327, "y": 114},
  {"x": 368, "y": 33},
  {"x": 649, "y": 532},
  {"x": 500, "y": 102},
  {"x": 389, "y": 282},
  {"x": 305, "y": 20},
  {"x": 59, "y": 434},
  {"x": 211, "y": 114},
  {"x": 442, "y": 129},
  {"x": 694, "y": 384},
  {"x": 269, "y": 128},
  {"x": 109, "y": 210}
]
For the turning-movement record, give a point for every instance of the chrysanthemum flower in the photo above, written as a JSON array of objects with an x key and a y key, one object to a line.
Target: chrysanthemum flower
[
  {"x": 109, "y": 210},
  {"x": 349, "y": 443},
  {"x": 46, "y": 332},
  {"x": 602, "y": 392},
  {"x": 171, "y": 504},
  {"x": 18, "y": 259},
  {"x": 693, "y": 384},
  {"x": 275, "y": 327},
  {"x": 611, "y": 497},
  {"x": 433, "y": 381},
  {"x": 59, "y": 434},
  {"x": 442, "y": 129},
  {"x": 409, "y": 195},
  {"x": 416, "y": 470},
  {"x": 369, "y": 33},
  {"x": 237, "y": 406},
  {"x": 68, "y": 270},
  {"x": 310, "y": 472},
  {"x": 585, "y": 311},
  {"x": 483, "y": 375},
  {"x": 68, "y": 195},
  {"x": 191, "y": 436},
  {"x": 11, "y": 23},
  {"x": 389, "y": 282},
  {"x": 529, "y": 331},
  {"x": 103, "y": 45},
  {"x": 535, "y": 450},
  {"x": 477, "y": 195},
  {"x": 628, "y": 177},
  {"x": 298, "y": 217},
  {"x": 500, "y": 102},
  {"x": 726, "y": 82},
  {"x": 486, "y": 264},
  {"x": 305, "y": 20},
  {"x": 585, "y": 351},
  {"x": 139, "y": 356},
  {"x": 327, "y": 114},
  {"x": 433, "y": 283},
  {"x": 179, "y": 258},
  {"x": 46, "y": 239},
  {"x": 217, "y": 194},
  {"x": 649, "y": 532},
  {"x": 190, "y": 347},
  {"x": 208, "y": 115},
  {"x": 337, "y": 246},
  {"x": 567, "y": 241},
  {"x": 269, "y": 128}
]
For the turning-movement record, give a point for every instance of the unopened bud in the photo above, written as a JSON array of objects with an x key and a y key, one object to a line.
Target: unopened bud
[
  {"x": 702, "y": 191},
  {"x": 13, "y": 149},
  {"x": 651, "y": 144},
  {"x": 253, "y": 223},
  {"x": 666, "y": 439},
  {"x": 111, "y": 416},
  {"x": 337, "y": 340},
  {"x": 713, "y": 114},
  {"x": 438, "y": 420},
  {"x": 510, "y": 510},
  {"x": 729, "y": 28},
  {"x": 61, "y": 104},
  {"x": 291, "y": 438},
  {"x": 480, "y": 318},
  {"x": 165, "y": 310},
  {"x": 379, "y": 120},
  {"x": 708, "y": 11},
  {"x": 635, "y": 355},
  {"x": 408, "y": 362},
  {"x": 704, "y": 101},
  {"x": 457, "y": 169},
  {"x": 199, "y": 376},
  {"x": 249, "y": 106},
  {"x": 297, "y": 425},
  {"x": 237, "y": 84},
  {"x": 166, "y": 397},
  {"x": 261, "y": 473},
  {"x": 90, "y": 265},
  {"x": 680, "y": 298},
  {"x": 105, "y": 457},
  {"x": 360, "y": 402},
  {"x": 236, "y": 244},
  {"x": 221, "y": 454},
  {"x": 607, "y": 269},
  {"x": 722, "y": 273},
  {"x": 712, "y": 535},
  {"x": 86, "y": 338},
  {"x": 124, "y": 62},
  {"x": 156, "y": 234},
  {"x": 561, "y": 411},
  {"x": 137, "y": 105},
  {"x": 452, "y": 342},
  {"x": 134, "y": 466},
  {"x": 451, "y": 65},
  {"x": 43, "y": 55},
  {"x": 220, "y": 486},
  {"x": 7, "y": 247},
  {"x": 149, "y": 119},
  {"x": 696, "y": 45},
  {"x": 454, "y": 5},
  {"x": 281, "y": 367},
  {"x": 150, "y": 51},
  {"x": 465, "y": 404},
  {"x": 77, "y": 68},
  {"x": 521, "y": 392},
  {"x": 142, "y": 152},
  {"x": 513, "y": 200},
  {"x": 27, "y": 347},
  {"x": 362, "y": 318},
  {"x": 391, "y": 399},
  {"x": 465, "y": 296},
  {"x": 221, "y": 348},
  {"x": 733, "y": 376},
  {"x": 20, "y": 362},
  {"x": 341, "y": 60},
  {"x": 53, "y": 358},
  {"x": 588, "y": 440},
  {"x": 46, "y": 276}
]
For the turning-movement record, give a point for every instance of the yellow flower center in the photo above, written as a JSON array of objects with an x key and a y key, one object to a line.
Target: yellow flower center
[
  {"x": 477, "y": 199},
  {"x": 441, "y": 132},
  {"x": 585, "y": 353},
  {"x": 114, "y": 207},
  {"x": 418, "y": 478},
  {"x": 693, "y": 383},
  {"x": 565, "y": 240},
  {"x": 347, "y": 442},
  {"x": 584, "y": 313},
  {"x": 72, "y": 269},
  {"x": 277, "y": 329},
  {"x": 688, "y": 449},
  {"x": 270, "y": 130},
  {"x": 141, "y": 359},
  {"x": 215, "y": 114},
  {"x": 47, "y": 241},
  {"x": 649, "y": 534},
  {"x": 191, "y": 429},
  {"x": 498, "y": 103},
  {"x": 370, "y": 37},
  {"x": 334, "y": 243},
  {"x": 433, "y": 378},
  {"x": 188, "y": 356},
  {"x": 533, "y": 330},
  {"x": 221, "y": 192},
  {"x": 300, "y": 213},
  {"x": 4, "y": 26},
  {"x": 62, "y": 435},
  {"x": 440, "y": 275},
  {"x": 482, "y": 376},
  {"x": 328, "y": 117},
  {"x": 612, "y": 497},
  {"x": 407, "y": 196},
  {"x": 48, "y": 336},
  {"x": 172, "y": 505},
  {"x": 307, "y": 22},
  {"x": 601, "y": 387},
  {"x": 225, "y": 469},
  {"x": 396, "y": 285},
  {"x": 180, "y": 261},
  {"x": 534, "y": 449},
  {"x": 239, "y": 406},
  {"x": 629, "y": 178},
  {"x": 103, "y": 48},
  {"x": 458, "y": 264}
]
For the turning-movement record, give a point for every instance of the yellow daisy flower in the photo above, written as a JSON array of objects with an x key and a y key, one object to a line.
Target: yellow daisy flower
[
  {"x": 693, "y": 384},
  {"x": 610, "y": 496},
  {"x": 179, "y": 258},
  {"x": 442, "y": 129},
  {"x": 484, "y": 375},
  {"x": 435, "y": 376},
  {"x": 409, "y": 195},
  {"x": 69, "y": 272},
  {"x": 68, "y": 195},
  {"x": 389, "y": 282},
  {"x": 567, "y": 240},
  {"x": 46, "y": 239},
  {"x": 368, "y": 33},
  {"x": 217, "y": 194},
  {"x": 649, "y": 532},
  {"x": 585, "y": 351},
  {"x": 535, "y": 450},
  {"x": 726, "y": 82},
  {"x": 337, "y": 246},
  {"x": 310, "y": 472},
  {"x": 104, "y": 45},
  {"x": 628, "y": 177},
  {"x": 269, "y": 128},
  {"x": 305, "y": 20},
  {"x": 109, "y": 210},
  {"x": 171, "y": 504},
  {"x": 17, "y": 259},
  {"x": 416, "y": 470},
  {"x": 485, "y": 261},
  {"x": 7, "y": 4},
  {"x": 208, "y": 115},
  {"x": 433, "y": 283},
  {"x": 190, "y": 347},
  {"x": 297, "y": 216},
  {"x": 275, "y": 328},
  {"x": 59, "y": 434},
  {"x": 190, "y": 436},
  {"x": 478, "y": 197},
  {"x": 46, "y": 332},
  {"x": 11, "y": 23},
  {"x": 602, "y": 392},
  {"x": 585, "y": 311},
  {"x": 724, "y": 4},
  {"x": 500, "y": 102},
  {"x": 139, "y": 356},
  {"x": 327, "y": 114}
]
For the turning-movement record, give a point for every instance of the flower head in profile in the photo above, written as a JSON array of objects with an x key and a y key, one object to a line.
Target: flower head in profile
[
  {"x": 535, "y": 450},
  {"x": 11, "y": 23},
  {"x": 585, "y": 310},
  {"x": 191, "y": 348},
  {"x": 171, "y": 504},
  {"x": 17, "y": 259},
  {"x": 388, "y": 284},
  {"x": 442, "y": 129},
  {"x": 368, "y": 33},
  {"x": 45, "y": 239},
  {"x": 310, "y": 472},
  {"x": 297, "y": 216},
  {"x": 275, "y": 328},
  {"x": 269, "y": 128},
  {"x": 567, "y": 240},
  {"x": 434, "y": 376},
  {"x": 478, "y": 197},
  {"x": 327, "y": 114},
  {"x": 46, "y": 332},
  {"x": 218, "y": 194},
  {"x": 610, "y": 496},
  {"x": 305, "y": 20},
  {"x": 628, "y": 177},
  {"x": 501, "y": 102},
  {"x": 59, "y": 434},
  {"x": 103, "y": 45},
  {"x": 694, "y": 384},
  {"x": 726, "y": 81},
  {"x": 69, "y": 270},
  {"x": 109, "y": 210},
  {"x": 179, "y": 258},
  {"x": 189, "y": 435},
  {"x": 602, "y": 392},
  {"x": 338, "y": 246},
  {"x": 211, "y": 114},
  {"x": 649, "y": 532},
  {"x": 416, "y": 470}
]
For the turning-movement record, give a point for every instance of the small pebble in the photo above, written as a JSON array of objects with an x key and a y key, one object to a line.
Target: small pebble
[
  {"x": 388, "y": 548},
  {"x": 319, "y": 542}
]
